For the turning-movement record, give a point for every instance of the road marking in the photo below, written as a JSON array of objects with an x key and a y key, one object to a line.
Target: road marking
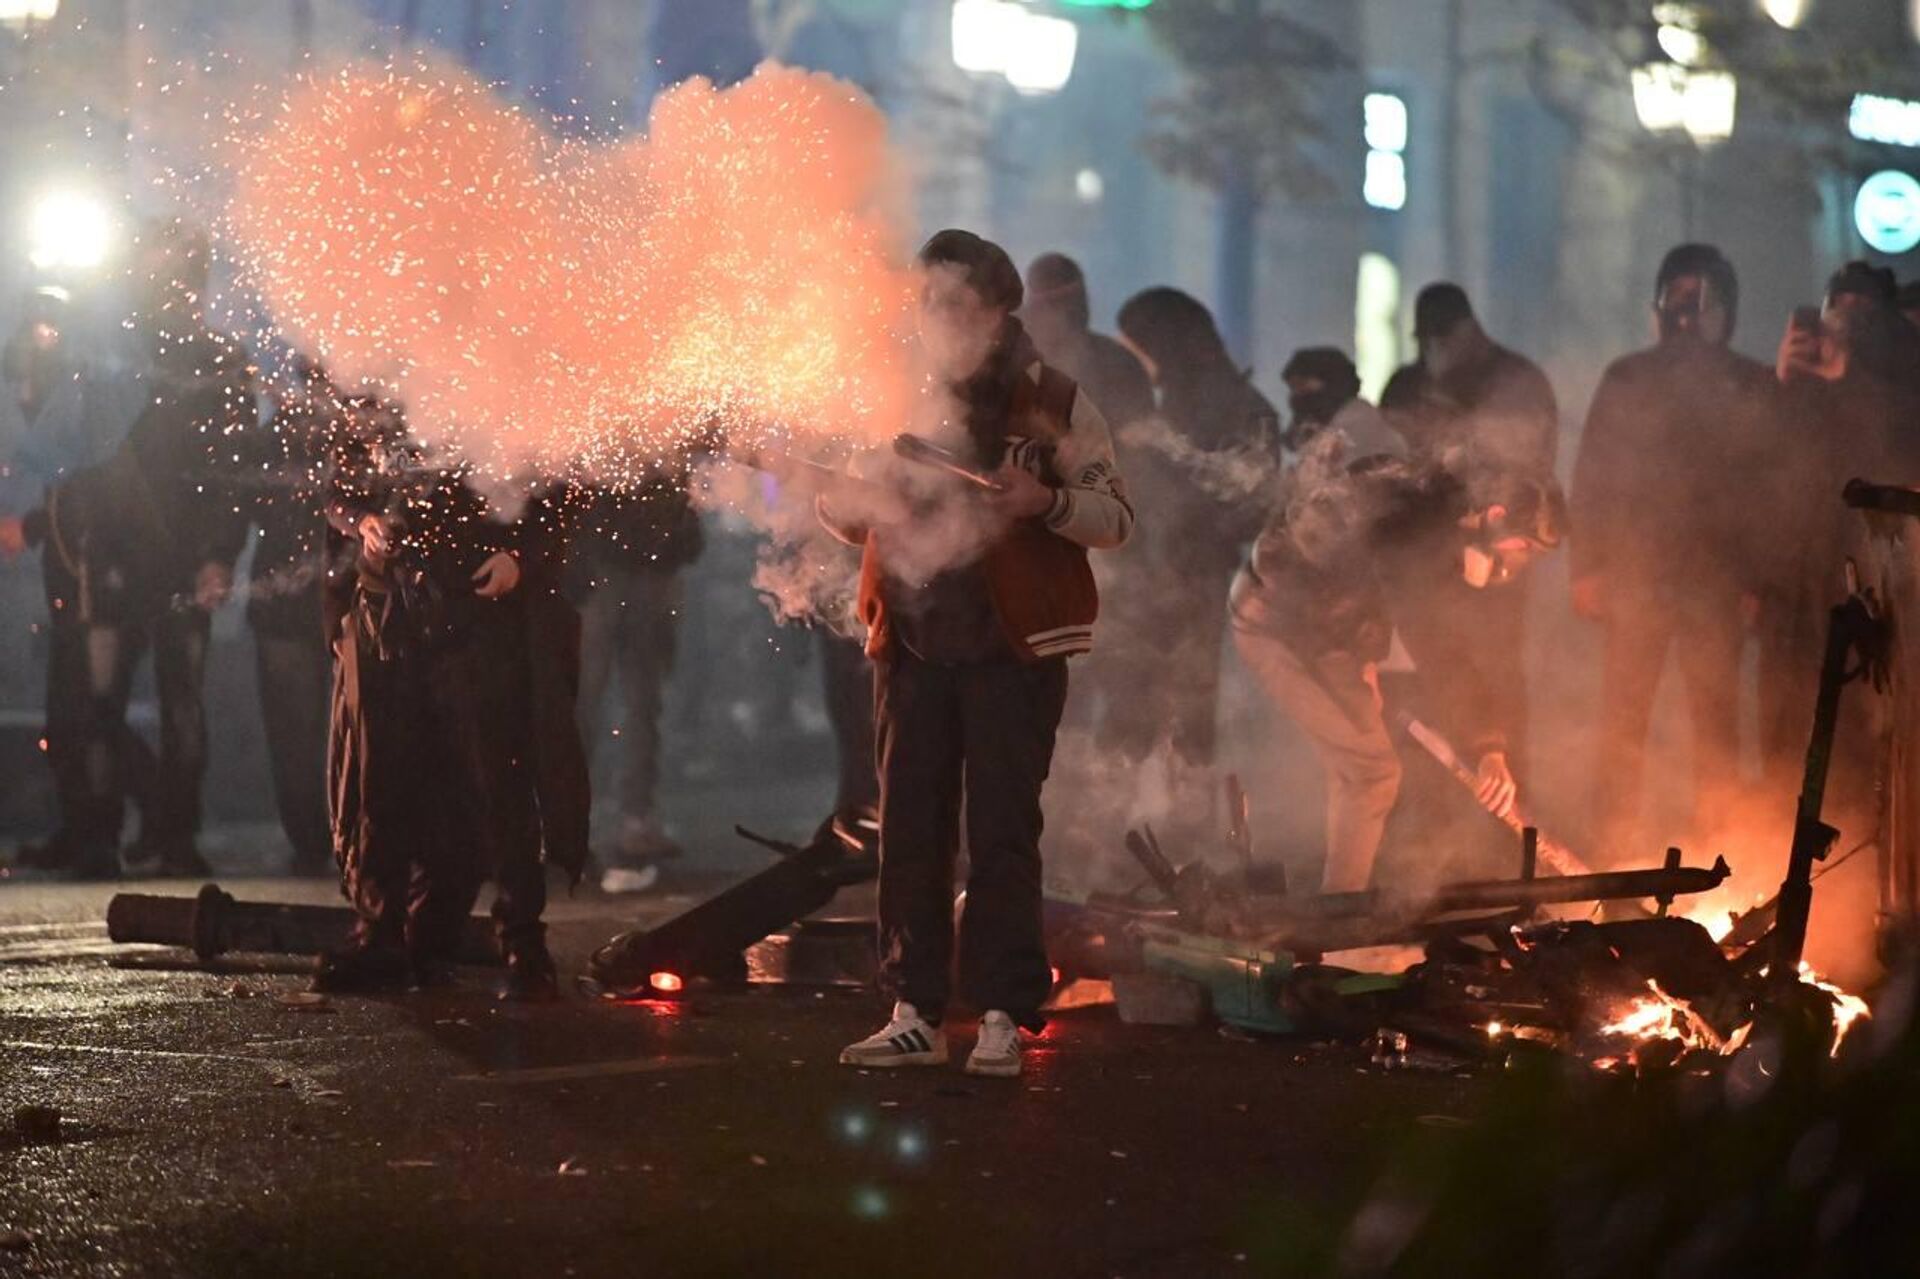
[
  {"x": 587, "y": 1070},
  {"x": 34, "y": 952},
  {"x": 77, "y": 928},
  {"x": 107, "y": 1050}
]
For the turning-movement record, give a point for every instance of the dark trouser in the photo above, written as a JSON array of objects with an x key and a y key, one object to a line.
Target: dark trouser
[
  {"x": 561, "y": 776},
  {"x": 1706, "y": 635},
  {"x": 67, "y": 705},
  {"x": 979, "y": 734},
  {"x": 627, "y": 626},
  {"x": 432, "y": 786},
  {"x": 846, "y": 677},
  {"x": 292, "y": 670},
  {"x": 112, "y": 652}
]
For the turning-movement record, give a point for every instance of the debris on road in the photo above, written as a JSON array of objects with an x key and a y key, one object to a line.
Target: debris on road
[
  {"x": 304, "y": 1001},
  {"x": 37, "y": 1125}
]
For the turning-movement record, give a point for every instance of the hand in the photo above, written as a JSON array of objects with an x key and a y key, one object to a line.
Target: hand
[
  {"x": 1497, "y": 790},
  {"x": 13, "y": 535},
  {"x": 1022, "y": 496},
  {"x": 1807, "y": 354},
  {"x": 1589, "y": 598},
  {"x": 212, "y": 585},
  {"x": 498, "y": 576},
  {"x": 374, "y": 542}
]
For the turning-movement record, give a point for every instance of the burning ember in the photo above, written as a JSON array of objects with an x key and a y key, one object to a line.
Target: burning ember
[
  {"x": 1658, "y": 1015},
  {"x": 1847, "y": 1009}
]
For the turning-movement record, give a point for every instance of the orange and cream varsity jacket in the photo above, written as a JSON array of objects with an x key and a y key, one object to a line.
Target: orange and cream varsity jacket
[{"x": 1036, "y": 573}]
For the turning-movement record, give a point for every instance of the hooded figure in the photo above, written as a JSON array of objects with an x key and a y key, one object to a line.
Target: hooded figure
[
  {"x": 1205, "y": 465},
  {"x": 1058, "y": 317}
]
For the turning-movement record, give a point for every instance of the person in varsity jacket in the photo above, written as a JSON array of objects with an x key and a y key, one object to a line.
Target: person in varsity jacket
[{"x": 974, "y": 598}]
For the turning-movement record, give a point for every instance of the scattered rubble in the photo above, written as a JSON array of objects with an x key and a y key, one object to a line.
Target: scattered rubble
[{"x": 37, "y": 1125}]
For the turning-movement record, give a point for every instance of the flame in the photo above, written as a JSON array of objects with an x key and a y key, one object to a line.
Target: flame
[
  {"x": 666, "y": 983},
  {"x": 1847, "y": 1008},
  {"x": 1658, "y": 1015}
]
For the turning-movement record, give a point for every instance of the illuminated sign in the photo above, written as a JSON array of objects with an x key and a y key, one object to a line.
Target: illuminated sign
[
  {"x": 1887, "y": 211},
  {"x": 1384, "y": 125},
  {"x": 1894, "y": 121}
]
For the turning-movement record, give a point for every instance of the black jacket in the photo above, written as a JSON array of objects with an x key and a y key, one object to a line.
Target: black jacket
[
  {"x": 163, "y": 505},
  {"x": 1673, "y": 463},
  {"x": 1501, "y": 405}
]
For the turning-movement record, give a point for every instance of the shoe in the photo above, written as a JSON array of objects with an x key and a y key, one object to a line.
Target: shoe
[
  {"x": 531, "y": 977},
  {"x": 907, "y": 1040},
  {"x": 168, "y": 859},
  {"x": 361, "y": 969},
  {"x": 997, "y": 1052},
  {"x": 615, "y": 880}
]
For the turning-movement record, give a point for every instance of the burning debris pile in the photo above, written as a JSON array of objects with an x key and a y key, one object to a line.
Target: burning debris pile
[{"x": 1631, "y": 988}]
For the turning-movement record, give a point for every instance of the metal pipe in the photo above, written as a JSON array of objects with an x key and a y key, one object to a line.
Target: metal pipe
[{"x": 213, "y": 922}]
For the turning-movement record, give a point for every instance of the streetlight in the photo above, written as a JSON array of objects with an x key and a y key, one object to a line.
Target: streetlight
[
  {"x": 1786, "y": 13},
  {"x": 1032, "y": 51},
  {"x": 22, "y": 14},
  {"x": 1683, "y": 93},
  {"x": 69, "y": 230}
]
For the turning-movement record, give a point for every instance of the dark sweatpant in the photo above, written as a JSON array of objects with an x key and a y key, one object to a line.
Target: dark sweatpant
[
  {"x": 432, "y": 783},
  {"x": 177, "y": 639},
  {"x": 980, "y": 734}
]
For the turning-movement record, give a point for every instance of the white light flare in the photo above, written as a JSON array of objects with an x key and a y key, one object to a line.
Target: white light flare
[{"x": 69, "y": 229}]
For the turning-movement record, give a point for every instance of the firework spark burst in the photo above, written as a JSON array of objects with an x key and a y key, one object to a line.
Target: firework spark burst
[{"x": 542, "y": 304}]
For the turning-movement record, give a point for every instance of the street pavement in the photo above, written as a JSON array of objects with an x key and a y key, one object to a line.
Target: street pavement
[{"x": 213, "y": 1127}]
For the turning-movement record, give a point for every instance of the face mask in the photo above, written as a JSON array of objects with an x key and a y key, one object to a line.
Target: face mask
[{"x": 1314, "y": 408}]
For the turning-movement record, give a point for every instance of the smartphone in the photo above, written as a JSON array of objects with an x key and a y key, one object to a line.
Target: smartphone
[{"x": 1806, "y": 319}]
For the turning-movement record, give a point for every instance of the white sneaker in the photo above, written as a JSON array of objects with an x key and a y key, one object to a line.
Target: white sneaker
[
  {"x": 997, "y": 1051},
  {"x": 628, "y": 879},
  {"x": 907, "y": 1040}
]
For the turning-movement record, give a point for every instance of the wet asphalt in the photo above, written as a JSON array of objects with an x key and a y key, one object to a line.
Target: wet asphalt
[{"x": 211, "y": 1125}]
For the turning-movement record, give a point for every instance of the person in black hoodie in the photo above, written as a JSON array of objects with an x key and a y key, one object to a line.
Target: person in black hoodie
[
  {"x": 1205, "y": 465},
  {"x": 1058, "y": 316},
  {"x": 432, "y": 754},
  {"x": 1849, "y": 409},
  {"x": 163, "y": 529}
]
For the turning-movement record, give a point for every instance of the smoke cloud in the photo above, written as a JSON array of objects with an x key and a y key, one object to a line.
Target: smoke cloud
[{"x": 540, "y": 303}]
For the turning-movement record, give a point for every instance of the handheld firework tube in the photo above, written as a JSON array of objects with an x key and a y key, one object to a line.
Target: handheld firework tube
[
  {"x": 706, "y": 940},
  {"x": 1555, "y": 855},
  {"x": 925, "y": 453}
]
